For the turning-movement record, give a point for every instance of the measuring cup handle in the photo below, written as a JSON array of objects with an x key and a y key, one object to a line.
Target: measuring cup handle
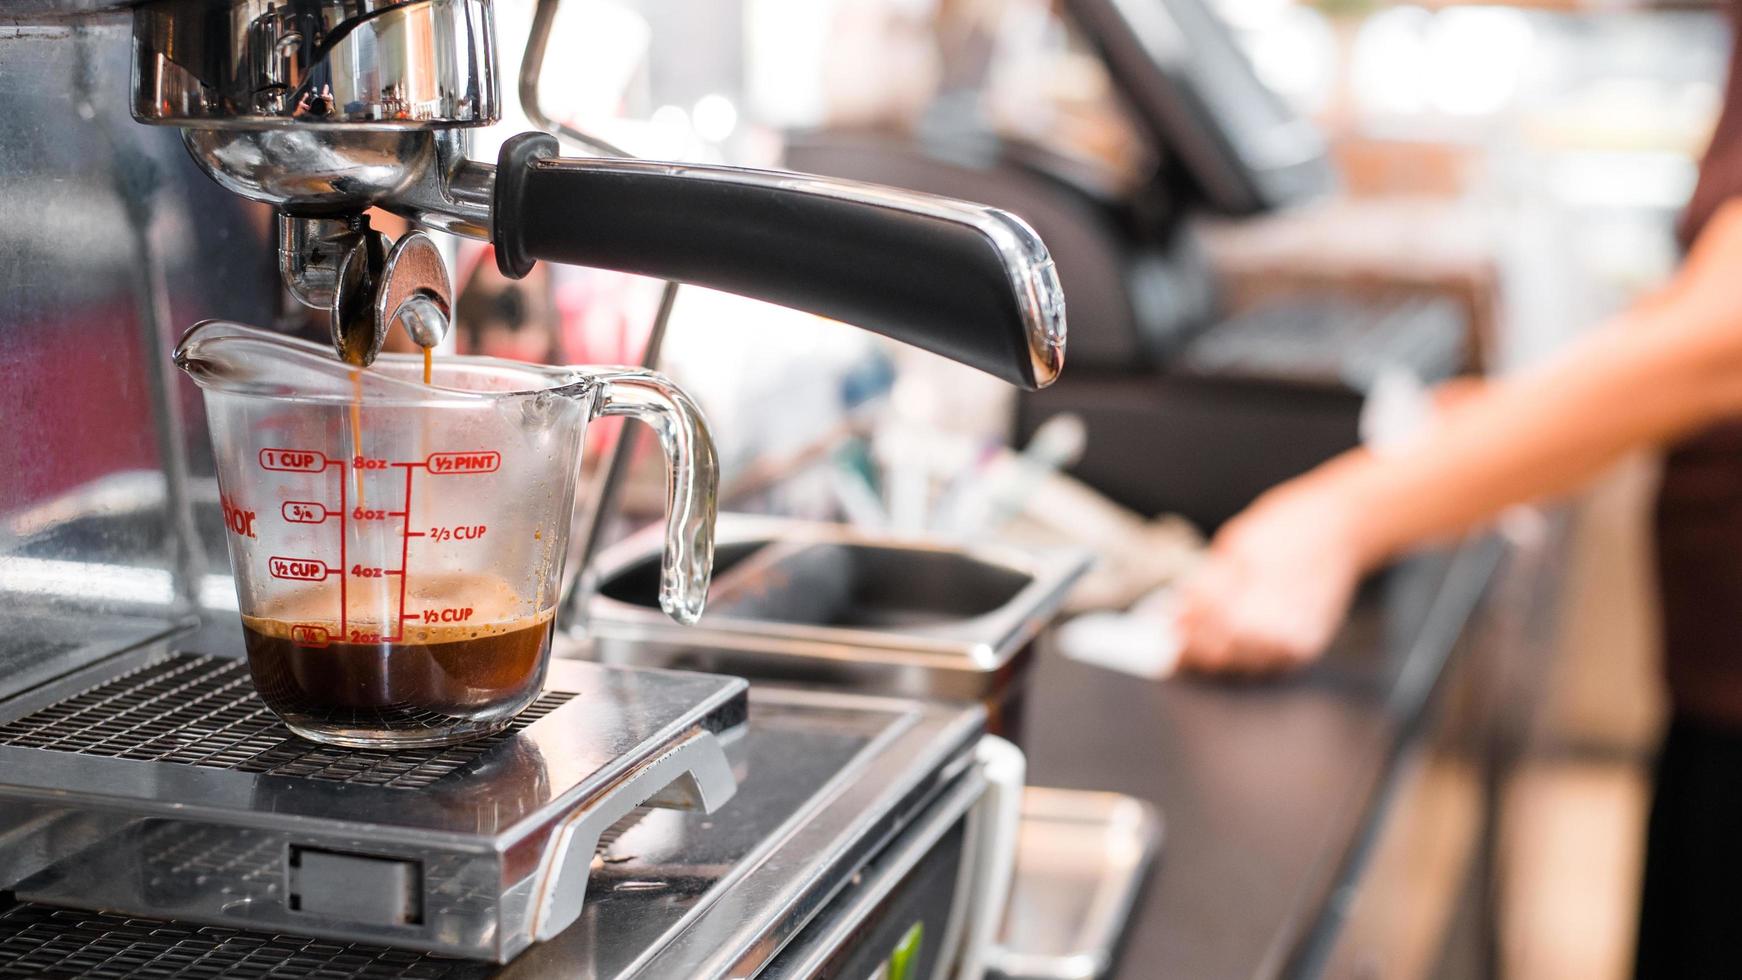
[{"x": 691, "y": 482}]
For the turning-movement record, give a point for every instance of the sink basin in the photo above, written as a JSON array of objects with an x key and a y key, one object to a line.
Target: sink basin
[
  {"x": 847, "y": 585},
  {"x": 827, "y": 604}
]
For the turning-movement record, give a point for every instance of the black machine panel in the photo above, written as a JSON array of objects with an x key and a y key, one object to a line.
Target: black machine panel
[{"x": 1237, "y": 146}]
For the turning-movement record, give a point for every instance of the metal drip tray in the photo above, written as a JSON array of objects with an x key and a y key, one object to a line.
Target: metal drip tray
[
  {"x": 38, "y": 942},
  {"x": 161, "y": 786},
  {"x": 202, "y": 711},
  {"x": 832, "y": 786},
  {"x": 1081, "y": 861}
]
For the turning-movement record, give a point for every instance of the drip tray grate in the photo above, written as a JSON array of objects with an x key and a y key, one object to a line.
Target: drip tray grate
[
  {"x": 202, "y": 711},
  {"x": 38, "y": 942}
]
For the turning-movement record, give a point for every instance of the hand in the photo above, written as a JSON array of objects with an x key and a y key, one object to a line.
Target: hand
[{"x": 1277, "y": 583}]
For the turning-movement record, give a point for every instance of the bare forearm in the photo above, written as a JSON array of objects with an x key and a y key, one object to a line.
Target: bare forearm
[
  {"x": 1280, "y": 577},
  {"x": 1644, "y": 379}
]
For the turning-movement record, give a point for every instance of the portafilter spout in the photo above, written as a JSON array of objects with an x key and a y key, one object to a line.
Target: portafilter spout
[{"x": 326, "y": 108}]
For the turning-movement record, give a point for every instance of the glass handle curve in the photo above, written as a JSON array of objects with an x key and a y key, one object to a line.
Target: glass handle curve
[{"x": 692, "y": 477}]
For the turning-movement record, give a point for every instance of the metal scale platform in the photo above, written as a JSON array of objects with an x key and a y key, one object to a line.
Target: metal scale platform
[
  {"x": 631, "y": 823},
  {"x": 169, "y": 789}
]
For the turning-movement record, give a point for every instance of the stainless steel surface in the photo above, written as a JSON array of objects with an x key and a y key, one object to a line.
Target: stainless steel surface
[
  {"x": 830, "y": 780},
  {"x": 110, "y": 240},
  {"x": 837, "y": 792},
  {"x": 310, "y": 253},
  {"x": 617, "y": 721},
  {"x": 420, "y": 174},
  {"x": 923, "y": 878},
  {"x": 324, "y": 108},
  {"x": 259, "y": 64},
  {"x": 415, "y": 292},
  {"x": 454, "y": 195},
  {"x": 366, "y": 284},
  {"x": 318, "y": 170},
  {"x": 502, "y": 842},
  {"x": 356, "y": 335},
  {"x": 692, "y": 774},
  {"x": 1081, "y": 859},
  {"x": 201, "y": 711},
  {"x": 824, "y": 602},
  {"x": 40, "y": 942},
  {"x": 423, "y": 319}
]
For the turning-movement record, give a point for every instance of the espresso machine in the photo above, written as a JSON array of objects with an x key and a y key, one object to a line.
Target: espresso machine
[{"x": 172, "y": 161}]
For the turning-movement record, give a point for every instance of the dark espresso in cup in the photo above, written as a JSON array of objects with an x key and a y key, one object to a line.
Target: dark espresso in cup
[{"x": 465, "y": 679}]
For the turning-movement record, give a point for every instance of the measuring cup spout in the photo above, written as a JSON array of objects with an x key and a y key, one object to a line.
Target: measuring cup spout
[
  {"x": 245, "y": 360},
  {"x": 692, "y": 477}
]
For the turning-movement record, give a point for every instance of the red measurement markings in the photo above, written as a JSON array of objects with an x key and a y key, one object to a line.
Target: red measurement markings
[
  {"x": 446, "y": 464},
  {"x": 305, "y": 512},
  {"x": 446, "y": 614},
  {"x": 310, "y": 635},
  {"x": 462, "y": 532},
  {"x": 404, "y": 549},
  {"x": 405, "y": 554},
  {"x": 371, "y": 514},
  {"x": 293, "y": 460},
  {"x": 373, "y": 571},
  {"x": 301, "y": 569},
  {"x": 369, "y": 463},
  {"x": 344, "y": 532}
]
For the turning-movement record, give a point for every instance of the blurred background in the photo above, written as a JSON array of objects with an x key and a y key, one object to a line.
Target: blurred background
[
  {"x": 1276, "y": 221},
  {"x": 1278, "y": 224}
]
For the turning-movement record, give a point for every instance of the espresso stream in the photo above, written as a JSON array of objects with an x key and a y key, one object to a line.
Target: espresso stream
[{"x": 357, "y": 408}]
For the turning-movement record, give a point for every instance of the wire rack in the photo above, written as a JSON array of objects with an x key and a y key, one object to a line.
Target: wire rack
[
  {"x": 203, "y": 711},
  {"x": 40, "y": 942}
]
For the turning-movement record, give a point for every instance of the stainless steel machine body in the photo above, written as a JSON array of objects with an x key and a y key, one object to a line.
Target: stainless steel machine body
[
  {"x": 138, "y": 773},
  {"x": 111, "y": 241},
  {"x": 851, "y": 811},
  {"x": 159, "y": 784}
]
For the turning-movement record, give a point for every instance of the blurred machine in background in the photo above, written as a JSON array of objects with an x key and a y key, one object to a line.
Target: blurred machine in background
[{"x": 1164, "y": 372}]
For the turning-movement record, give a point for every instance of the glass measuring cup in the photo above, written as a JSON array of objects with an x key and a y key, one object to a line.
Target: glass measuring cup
[{"x": 398, "y": 547}]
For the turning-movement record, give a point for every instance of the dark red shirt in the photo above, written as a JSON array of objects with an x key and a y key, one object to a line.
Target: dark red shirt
[
  {"x": 1699, "y": 507},
  {"x": 1721, "y": 169}
]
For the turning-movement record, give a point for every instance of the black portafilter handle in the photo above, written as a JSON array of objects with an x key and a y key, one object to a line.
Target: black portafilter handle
[{"x": 971, "y": 283}]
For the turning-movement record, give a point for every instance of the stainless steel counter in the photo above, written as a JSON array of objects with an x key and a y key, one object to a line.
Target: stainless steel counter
[{"x": 1269, "y": 789}]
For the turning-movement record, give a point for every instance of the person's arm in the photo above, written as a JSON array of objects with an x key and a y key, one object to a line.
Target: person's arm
[{"x": 1280, "y": 576}]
